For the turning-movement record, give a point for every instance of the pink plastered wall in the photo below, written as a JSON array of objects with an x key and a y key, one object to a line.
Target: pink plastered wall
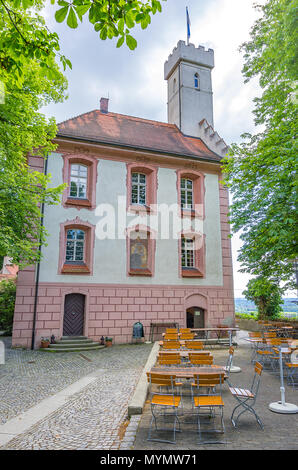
[{"x": 112, "y": 310}]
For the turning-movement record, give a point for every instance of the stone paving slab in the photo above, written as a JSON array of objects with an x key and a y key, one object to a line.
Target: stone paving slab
[
  {"x": 280, "y": 431},
  {"x": 27, "y": 377}
]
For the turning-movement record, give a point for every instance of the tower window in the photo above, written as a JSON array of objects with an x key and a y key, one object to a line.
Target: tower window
[
  {"x": 174, "y": 85},
  {"x": 196, "y": 80}
]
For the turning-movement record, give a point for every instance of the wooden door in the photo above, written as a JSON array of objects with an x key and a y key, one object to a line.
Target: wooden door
[
  {"x": 74, "y": 309},
  {"x": 195, "y": 318}
]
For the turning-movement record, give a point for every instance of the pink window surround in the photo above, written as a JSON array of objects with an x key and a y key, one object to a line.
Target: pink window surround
[
  {"x": 198, "y": 193},
  {"x": 85, "y": 267},
  {"x": 145, "y": 233},
  {"x": 199, "y": 255},
  {"x": 151, "y": 187},
  {"x": 79, "y": 203}
]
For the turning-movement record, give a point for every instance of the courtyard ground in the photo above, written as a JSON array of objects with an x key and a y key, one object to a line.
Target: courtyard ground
[
  {"x": 280, "y": 431},
  {"x": 99, "y": 386}
]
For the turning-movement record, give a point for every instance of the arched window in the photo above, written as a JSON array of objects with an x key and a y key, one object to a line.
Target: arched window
[
  {"x": 174, "y": 85},
  {"x": 197, "y": 80},
  {"x": 192, "y": 254},
  {"x": 78, "y": 180},
  {"x": 76, "y": 247},
  {"x": 190, "y": 186}
]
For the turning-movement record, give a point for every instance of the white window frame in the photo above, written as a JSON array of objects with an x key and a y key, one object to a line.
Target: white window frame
[
  {"x": 76, "y": 242},
  {"x": 187, "y": 253},
  {"x": 138, "y": 186},
  {"x": 186, "y": 191},
  {"x": 81, "y": 179}
]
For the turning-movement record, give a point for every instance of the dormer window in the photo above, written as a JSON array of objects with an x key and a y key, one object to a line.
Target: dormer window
[
  {"x": 196, "y": 80},
  {"x": 78, "y": 181}
]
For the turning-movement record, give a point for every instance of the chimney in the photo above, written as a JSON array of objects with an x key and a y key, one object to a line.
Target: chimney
[{"x": 104, "y": 105}]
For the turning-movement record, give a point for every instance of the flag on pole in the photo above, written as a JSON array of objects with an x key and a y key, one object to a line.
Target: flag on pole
[{"x": 188, "y": 25}]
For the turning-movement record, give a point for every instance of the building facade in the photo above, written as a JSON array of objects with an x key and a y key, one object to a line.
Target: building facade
[{"x": 142, "y": 233}]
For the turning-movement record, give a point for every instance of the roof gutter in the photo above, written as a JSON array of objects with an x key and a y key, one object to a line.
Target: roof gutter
[{"x": 132, "y": 147}]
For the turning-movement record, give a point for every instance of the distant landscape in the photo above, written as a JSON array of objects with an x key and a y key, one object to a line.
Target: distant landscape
[{"x": 290, "y": 306}]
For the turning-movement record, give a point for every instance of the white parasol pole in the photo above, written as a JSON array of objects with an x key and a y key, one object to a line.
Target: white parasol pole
[
  {"x": 233, "y": 368},
  {"x": 282, "y": 406}
]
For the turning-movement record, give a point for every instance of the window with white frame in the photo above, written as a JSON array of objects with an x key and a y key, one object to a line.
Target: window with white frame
[
  {"x": 75, "y": 242},
  {"x": 186, "y": 186},
  {"x": 187, "y": 253},
  {"x": 78, "y": 181},
  {"x": 138, "y": 188}
]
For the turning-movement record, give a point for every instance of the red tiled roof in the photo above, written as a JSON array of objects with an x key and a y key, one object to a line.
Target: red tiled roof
[{"x": 122, "y": 130}]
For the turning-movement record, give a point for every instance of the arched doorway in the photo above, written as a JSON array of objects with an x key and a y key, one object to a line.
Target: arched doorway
[
  {"x": 74, "y": 312},
  {"x": 195, "y": 317}
]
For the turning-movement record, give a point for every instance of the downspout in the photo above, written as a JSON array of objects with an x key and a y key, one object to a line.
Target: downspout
[{"x": 38, "y": 266}]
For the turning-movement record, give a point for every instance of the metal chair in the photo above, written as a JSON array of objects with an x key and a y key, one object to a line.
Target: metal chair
[
  {"x": 187, "y": 336},
  {"x": 247, "y": 397},
  {"x": 163, "y": 404},
  {"x": 171, "y": 345},
  {"x": 171, "y": 337},
  {"x": 292, "y": 374},
  {"x": 172, "y": 331},
  {"x": 194, "y": 345},
  {"x": 197, "y": 359},
  {"x": 210, "y": 402},
  {"x": 185, "y": 330},
  {"x": 169, "y": 359}
]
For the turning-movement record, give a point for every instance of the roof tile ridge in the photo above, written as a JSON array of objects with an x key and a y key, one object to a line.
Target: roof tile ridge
[{"x": 75, "y": 117}]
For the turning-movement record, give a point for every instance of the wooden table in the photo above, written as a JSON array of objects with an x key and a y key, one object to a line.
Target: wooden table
[
  {"x": 188, "y": 372},
  {"x": 207, "y": 330},
  {"x": 154, "y": 325}
]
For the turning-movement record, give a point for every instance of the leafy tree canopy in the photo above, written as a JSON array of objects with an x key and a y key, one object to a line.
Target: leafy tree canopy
[
  {"x": 261, "y": 172},
  {"x": 266, "y": 295},
  {"x": 24, "y": 131}
]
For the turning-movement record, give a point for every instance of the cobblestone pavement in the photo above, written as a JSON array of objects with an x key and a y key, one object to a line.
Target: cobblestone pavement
[
  {"x": 280, "y": 431},
  {"x": 93, "y": 417}
]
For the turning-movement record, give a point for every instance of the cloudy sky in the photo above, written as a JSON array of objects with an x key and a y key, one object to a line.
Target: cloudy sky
[{"x": 133, "y": 80}]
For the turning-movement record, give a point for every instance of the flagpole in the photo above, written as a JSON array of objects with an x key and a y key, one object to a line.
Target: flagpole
[{"x": 187, "y": 27}]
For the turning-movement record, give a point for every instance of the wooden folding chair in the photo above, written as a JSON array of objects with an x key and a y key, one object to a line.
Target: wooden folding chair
[
  {"x": 210, "y": 402},
  {"x": 171, "y": 345},
  {"x": 172, "y": 331},
  {"x": 247, "y": 397},
  {"x": 169, "y": 359},
  {"x": 171, "y": 337},
  {"x": 163, "y": 404},
  {"x": 187, "y": 336},
  {"x": 197, "y": 359},
  {"x": 194, "y": 345},
  {"x": 184, "y": 330}
]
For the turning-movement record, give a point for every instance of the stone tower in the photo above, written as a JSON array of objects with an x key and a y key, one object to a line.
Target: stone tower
[{"x": 190, "y": 98}]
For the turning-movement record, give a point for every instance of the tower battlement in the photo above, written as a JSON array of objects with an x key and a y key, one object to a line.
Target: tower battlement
[{"x": 188, "y": 53}]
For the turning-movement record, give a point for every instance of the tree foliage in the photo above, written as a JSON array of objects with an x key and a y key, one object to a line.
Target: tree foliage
[
  {"x": 7, "y": 303},
  {"x": 25, "y": 131},
  {"x": 266, "y": 295},
  {"x": 261, "y": 172}
]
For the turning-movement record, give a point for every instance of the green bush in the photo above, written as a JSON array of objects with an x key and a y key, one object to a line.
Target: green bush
[{"x": 7, "y": 303}]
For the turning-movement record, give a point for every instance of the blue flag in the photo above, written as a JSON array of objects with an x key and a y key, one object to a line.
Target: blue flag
[{"x": 188, "y": 25}]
